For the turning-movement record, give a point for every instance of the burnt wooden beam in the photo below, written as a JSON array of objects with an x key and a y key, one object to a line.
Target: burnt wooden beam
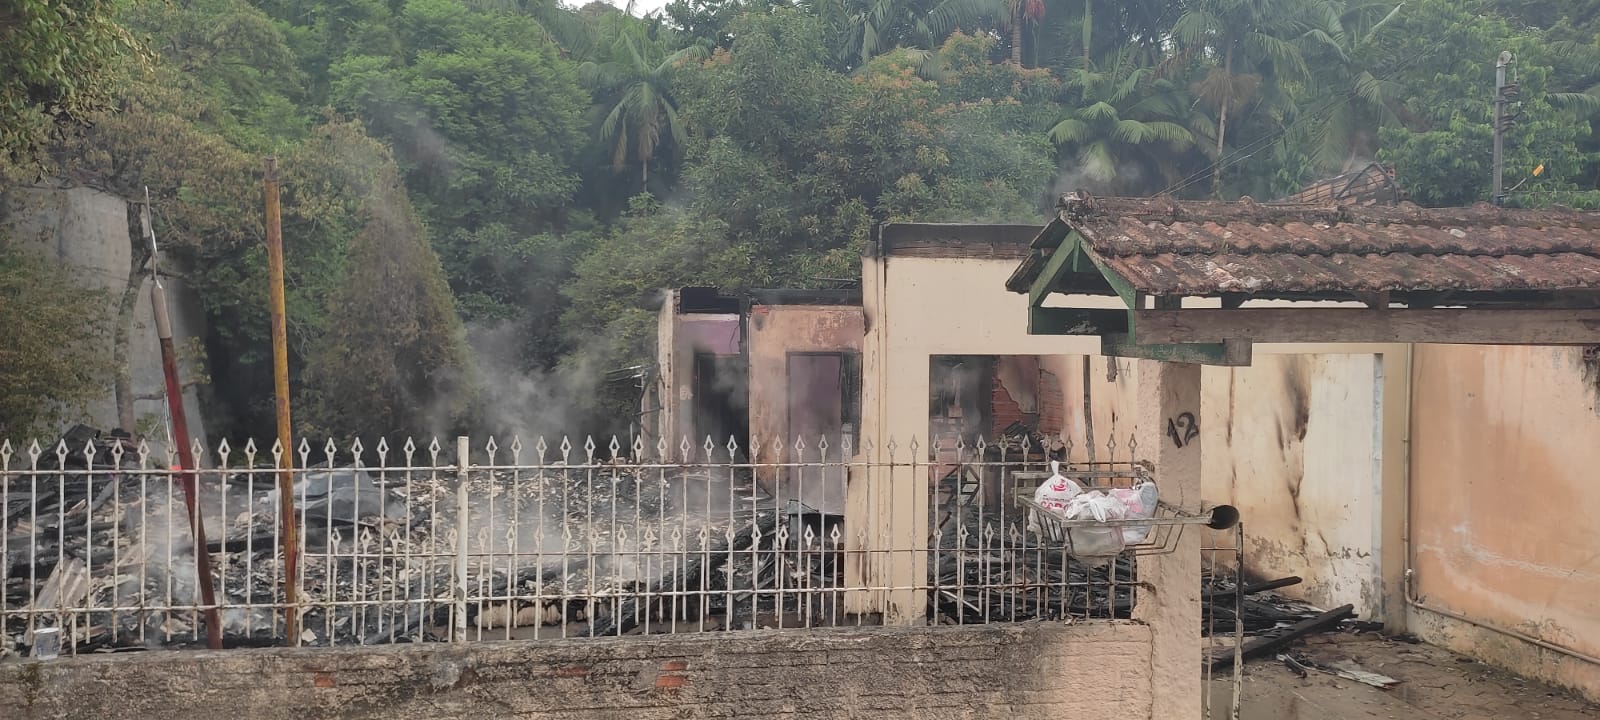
[
  {"x": 1267, "y": 645},
  {"x": 1254, "y": 588},
  {"x": 1358, "y": 325}
]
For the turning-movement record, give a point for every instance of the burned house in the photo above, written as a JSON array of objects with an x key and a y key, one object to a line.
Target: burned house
[
  {"x": 776, "y": 372},
  {"x": 1431, "y": 423}
]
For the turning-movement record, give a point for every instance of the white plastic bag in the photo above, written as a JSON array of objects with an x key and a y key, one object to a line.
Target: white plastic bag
[
  {"x": 1095, "y": 545},
  {"x": 1056, "y": 492},
  {"x": 1053, "y": 495},
  {"x": 1140, "y": 503}
]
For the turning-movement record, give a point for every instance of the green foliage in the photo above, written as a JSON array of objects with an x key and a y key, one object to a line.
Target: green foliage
[
  {"x": 1443, "y": 155},
  {"x": 392, "y": 360},
  {"x": 57, "y": 61},
  {"x": 1129, "y": 124},
  {"x": 53, "y": 361},
  {"x": 637, "y": 83},
  {"x": 566, "y": 164}
]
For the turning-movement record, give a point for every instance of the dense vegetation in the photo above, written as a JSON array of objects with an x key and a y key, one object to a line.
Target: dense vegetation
[{"x": 528, "y": 176}]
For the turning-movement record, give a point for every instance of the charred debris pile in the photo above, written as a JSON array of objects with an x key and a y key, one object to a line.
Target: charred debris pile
[{"x": 103, "y": 550}]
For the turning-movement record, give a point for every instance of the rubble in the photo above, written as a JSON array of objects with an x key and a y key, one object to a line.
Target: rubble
[{"x": 597, "y": 550}]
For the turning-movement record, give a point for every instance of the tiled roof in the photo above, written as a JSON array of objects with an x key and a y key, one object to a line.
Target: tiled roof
[{"x": 1166, "y": 247}]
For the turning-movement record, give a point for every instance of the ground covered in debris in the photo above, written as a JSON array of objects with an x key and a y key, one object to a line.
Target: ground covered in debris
[{"x": 1434, "y": 684}]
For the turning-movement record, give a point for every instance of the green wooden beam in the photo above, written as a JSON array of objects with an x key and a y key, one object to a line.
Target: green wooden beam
[
  {"x": 1229, "y": 354},
  {"x": 1076, "y": 321},
  {"x": 1060, "y": 262}
]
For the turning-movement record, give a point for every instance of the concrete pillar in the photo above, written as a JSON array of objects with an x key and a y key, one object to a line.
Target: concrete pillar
[
  {"x": 1169, "y": 596},
  {"x": 1389, "y": 541},
  {"x": 886, "y": 498}
]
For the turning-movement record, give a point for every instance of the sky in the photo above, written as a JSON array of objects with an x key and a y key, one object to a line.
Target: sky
[{"x": 641, "y": 7}]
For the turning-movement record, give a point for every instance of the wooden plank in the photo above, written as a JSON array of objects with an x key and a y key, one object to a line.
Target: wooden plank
[
  {"x": 1228, "y": 354},
  {"x": 1267, "y": 645},
  {"x": 1053, "y": 269},
  {"x": 1076, "y": 321},
  {"x": 1360, "y": 325},
  {"x": 1252, "y": 589}
]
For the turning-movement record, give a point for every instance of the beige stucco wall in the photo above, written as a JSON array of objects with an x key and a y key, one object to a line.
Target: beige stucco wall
[
  {"x": 776, "y": 331},
  {"x": 1309, "y": 489},
  {"x": 1504, "y": 495},
  {"x": 678, "y": 338},
  {"x": 1296, "y": 443}
]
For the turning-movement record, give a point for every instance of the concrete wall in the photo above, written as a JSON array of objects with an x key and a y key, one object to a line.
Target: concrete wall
[
  {"x": 86, "y": 231},
  {"x": 1010, "y": 671},
  {"x": 679, "y": 337},
  {"x": 1299, "y": 441},
  {"x": 1296, "y": 443},
  {"x": 1504, "y": 492},
  {"x": 775, "y": 332}
]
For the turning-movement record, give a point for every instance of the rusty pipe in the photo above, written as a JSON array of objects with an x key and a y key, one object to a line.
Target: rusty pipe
[
  {"x": 187, "y": 467},
  {"x": 289, "y": 533}
]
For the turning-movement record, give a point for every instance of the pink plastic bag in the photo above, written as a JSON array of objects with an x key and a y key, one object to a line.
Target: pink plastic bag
[{"x": 1139, "y": 503}]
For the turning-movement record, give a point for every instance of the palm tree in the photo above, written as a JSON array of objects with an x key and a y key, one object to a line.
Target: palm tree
[
  {"x": 1125, "y": 115},
  {"x": 1019, "y": 12},
  {"x": 1350, "y": 103},
  {"x": 870, "y": 28},
  {"x": 1254, "y": 43},
  {"x": 644, "y": 113}
]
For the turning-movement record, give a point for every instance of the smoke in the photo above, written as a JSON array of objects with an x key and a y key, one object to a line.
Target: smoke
[
  {"x": 1097, "y": 176},
  {"x": 515, "y": 400}
]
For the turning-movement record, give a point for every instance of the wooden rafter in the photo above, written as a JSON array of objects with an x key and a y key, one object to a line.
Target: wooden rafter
[{"x": 1466, "y": 326}]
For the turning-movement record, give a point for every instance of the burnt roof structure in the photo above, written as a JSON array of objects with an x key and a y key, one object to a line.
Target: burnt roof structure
[
  {"x": 1445, "y": 275},
  {"x": 1371, "y": 185}
]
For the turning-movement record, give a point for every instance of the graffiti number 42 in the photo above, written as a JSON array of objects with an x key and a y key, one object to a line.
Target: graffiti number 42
[{"x": 1182, "y": 429}]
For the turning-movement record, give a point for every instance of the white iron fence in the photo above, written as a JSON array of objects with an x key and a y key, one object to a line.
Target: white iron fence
[{"x": 483, "y": 540}]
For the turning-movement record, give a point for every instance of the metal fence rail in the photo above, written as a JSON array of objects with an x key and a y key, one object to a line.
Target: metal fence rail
[{"x": 484, "y": 540}]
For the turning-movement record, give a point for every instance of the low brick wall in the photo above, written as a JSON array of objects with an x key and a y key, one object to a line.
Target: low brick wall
[{"x": 1012, "y": 671}]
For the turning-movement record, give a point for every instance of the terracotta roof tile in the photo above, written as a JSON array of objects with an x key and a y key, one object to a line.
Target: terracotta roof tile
[{"x": 1165, "y": 247}]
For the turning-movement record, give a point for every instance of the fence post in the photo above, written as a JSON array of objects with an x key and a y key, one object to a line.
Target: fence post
[{"x": 459, "y": 627}]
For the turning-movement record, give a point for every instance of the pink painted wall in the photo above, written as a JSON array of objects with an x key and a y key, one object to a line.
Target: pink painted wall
[{"x": 1505, "y": 489}]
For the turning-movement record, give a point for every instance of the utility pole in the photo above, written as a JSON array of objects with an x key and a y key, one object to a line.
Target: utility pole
[
  {"x": 187, "y": 467},
  {"x": 280, "y": 381},
  {"x": 1502, "y": 92}
]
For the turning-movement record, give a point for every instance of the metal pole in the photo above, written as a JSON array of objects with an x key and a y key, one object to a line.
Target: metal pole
[
  {"x": 180, "y": 431},
  {"x": 459, "y": 626},
  {"x": 280, "y": 382},
  {"x": 1499, "y": 123}
]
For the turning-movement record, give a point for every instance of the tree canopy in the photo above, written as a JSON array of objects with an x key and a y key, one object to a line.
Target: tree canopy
[{"x": 536, "y": 173}]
